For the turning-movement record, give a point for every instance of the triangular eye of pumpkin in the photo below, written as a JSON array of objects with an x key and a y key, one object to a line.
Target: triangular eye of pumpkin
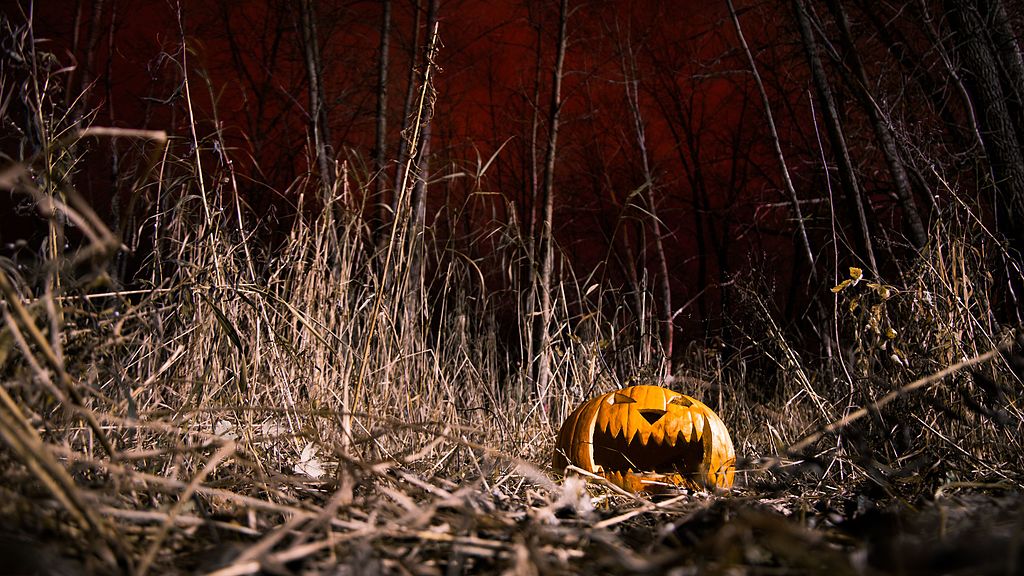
[
  {"x": 652, "y": 415},
  {"x": 681, "y": 400},
  {"x": 618, "y": 398}
]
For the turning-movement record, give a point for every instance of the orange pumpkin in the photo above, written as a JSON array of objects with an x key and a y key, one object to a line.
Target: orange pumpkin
[{"x": 645, "y": 438}]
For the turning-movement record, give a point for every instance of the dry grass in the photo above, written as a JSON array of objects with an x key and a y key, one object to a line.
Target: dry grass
[{"x": 248, "y": 406}]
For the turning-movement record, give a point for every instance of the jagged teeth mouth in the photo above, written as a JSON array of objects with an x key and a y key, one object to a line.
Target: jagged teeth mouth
[{"x": 649, "y": 451}]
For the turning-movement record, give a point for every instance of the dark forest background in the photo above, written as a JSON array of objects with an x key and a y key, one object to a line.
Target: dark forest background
[
  {"x": 338, "y": 270},
  {"x": 668, "y": 179}
]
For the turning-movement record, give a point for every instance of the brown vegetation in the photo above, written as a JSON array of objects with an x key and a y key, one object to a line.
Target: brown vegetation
[{"x": 353, "y": 392}]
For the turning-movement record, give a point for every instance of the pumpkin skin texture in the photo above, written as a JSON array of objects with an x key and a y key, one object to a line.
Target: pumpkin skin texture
[{"x": 646, "y": 439}]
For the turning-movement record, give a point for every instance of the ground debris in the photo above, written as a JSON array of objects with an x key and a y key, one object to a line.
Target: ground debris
[{"x": 398, "y": 519}]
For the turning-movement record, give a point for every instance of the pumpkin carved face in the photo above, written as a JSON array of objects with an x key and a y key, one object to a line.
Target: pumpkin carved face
[{"x": 643, "y": 438}]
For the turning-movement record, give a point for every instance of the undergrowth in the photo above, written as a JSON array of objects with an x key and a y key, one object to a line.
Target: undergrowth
[{"x": 230, "y": 400}]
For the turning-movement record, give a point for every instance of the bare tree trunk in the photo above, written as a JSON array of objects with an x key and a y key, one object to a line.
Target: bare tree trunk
[
  {"x": 395, "y": 270},
  {"x": 630, "y": 267},
  {"x": 1007, "y": 52},
  {"x": 663, "y": 285},
  {"x": 418, "y": 203},
  {"x": 829, "y": 340},
  {"x": 685, "y": 144},
  {"x": 542, "y": 326},
  {"x": 901, "y": 182},
  {"x": 317, "y": 111},
  {"x": 95, "y": 27},
  {"x": 380, "y": 146},
  {"x": 422, "y": 167},
  {"x": 1011, "y": 205},
  {"x": 775, "y": 140},
  {"x": 931, "y": 83},
  {"x": 534, "y": 191},
  {"x": 410, "y": 98},
  {"x": 847, "y": 176},
  {"x": 948, "y": 60},
  {"x": 981, "y": 73}
]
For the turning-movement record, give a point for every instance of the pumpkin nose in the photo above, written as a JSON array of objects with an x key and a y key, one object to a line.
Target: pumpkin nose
[{"x": 652, "y": 415}]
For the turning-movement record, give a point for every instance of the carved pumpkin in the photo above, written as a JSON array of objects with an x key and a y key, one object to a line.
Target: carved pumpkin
[{"x": 645, "y": 438}]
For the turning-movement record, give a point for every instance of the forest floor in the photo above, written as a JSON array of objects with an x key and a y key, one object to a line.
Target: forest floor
[
  {"x": 413, "y": 514},
  {"x": 144, "y": 434}
]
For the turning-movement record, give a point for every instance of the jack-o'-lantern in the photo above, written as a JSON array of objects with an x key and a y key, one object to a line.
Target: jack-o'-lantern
[{"x": 646, "y": 439}]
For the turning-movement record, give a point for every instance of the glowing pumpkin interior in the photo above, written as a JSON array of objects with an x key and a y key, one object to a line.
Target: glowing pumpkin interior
[{"x": 644, "y": 438}]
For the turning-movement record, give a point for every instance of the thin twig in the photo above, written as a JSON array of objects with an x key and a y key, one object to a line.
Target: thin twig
[{"x": 877, "y": 404}]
